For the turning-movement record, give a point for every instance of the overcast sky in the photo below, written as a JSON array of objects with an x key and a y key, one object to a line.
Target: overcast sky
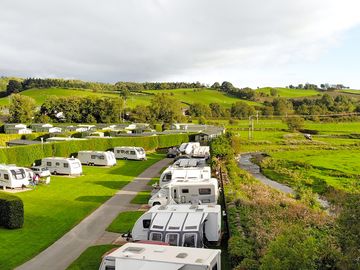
[{"x": 248, "y": 42}]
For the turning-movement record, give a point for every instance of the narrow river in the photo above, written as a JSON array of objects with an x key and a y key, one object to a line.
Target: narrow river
[{"x": 246, "y": 164}]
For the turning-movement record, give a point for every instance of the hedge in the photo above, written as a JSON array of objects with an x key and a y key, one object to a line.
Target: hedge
[
  {"x": 11, "y": 211},
  {"x": 27, "y": 155},
  {"x": 4, "y": 138}
]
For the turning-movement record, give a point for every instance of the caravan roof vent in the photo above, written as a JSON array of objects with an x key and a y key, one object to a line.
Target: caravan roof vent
[
  {"x": 181, "y": 255},
  {"x": 162, "y": 207},
  {"x": 193, "y": 206},
  {"x": 199, "y": 260},
  {"x": 136, "y": 250}
]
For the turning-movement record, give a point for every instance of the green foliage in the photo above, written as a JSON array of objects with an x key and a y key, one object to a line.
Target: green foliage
[
  {"x": 220, "y": 147},
  {"x": 91, "y": 258},
  {"x": 21, "y": 109},
  {"x": 198, "y": 109},
  {"x": 13, "y": 87},
  {"x": 241, "y": 109},
  {"x": 295, "y": 123},
  {"x": 11, "y": 211}
]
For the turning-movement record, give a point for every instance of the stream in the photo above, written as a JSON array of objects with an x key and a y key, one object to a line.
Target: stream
[{"x": 246, "y": 164}]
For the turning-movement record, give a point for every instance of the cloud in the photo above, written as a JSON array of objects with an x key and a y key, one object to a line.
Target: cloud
[{"x": 147, "y": 40}]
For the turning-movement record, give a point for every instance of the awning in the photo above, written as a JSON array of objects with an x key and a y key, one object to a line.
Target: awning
[{"x": 130, "y": 264}]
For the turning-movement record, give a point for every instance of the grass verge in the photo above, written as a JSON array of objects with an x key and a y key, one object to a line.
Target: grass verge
[{"x": 124, "y": 221}]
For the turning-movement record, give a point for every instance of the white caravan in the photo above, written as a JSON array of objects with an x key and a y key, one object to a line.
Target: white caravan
[
  {"x": 102, "y": 158},
  {"x": 185, "y": 191},
  {"x": 180, "y": 225},
  {"x": 201, "y": 152},
  {"x": 60, "y": 165},
  {"x": 130, "y": 152},
  {"x": 13, "y": 177},
  {"x": 187, "y": 148},
  {"x": 173, "y": 174},
  {"x": 132, "y": 256}
]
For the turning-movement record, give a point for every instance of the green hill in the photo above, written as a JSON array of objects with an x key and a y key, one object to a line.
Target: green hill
[{"x": 289, "y": 93}]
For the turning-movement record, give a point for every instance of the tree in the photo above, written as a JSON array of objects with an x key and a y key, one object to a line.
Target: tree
[
  {"x": 216, "y": 85},
  {"x": 226, "y": 86},
  {"x": 296, "y": 248},
  {"x": 13, "y": 87},
  {"x": 166, "y": 109},
  {"x": 282, "y": 106},
  {"x": 294, "y": 123},
  {"x": 21, "y": 108},
  {"x": 198, "y": 109},
  {"x": 241, "y": 109},
  {"x": 274, "y": 92}
]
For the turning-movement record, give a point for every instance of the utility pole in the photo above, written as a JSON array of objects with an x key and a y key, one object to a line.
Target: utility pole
[{"x": 251, "y": 127}]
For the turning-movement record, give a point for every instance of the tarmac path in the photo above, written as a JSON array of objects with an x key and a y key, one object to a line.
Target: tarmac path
[{"x": 70, "y": 246}]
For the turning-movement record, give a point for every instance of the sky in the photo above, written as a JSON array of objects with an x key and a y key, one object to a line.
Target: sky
[{"x": 251, "y": 43}]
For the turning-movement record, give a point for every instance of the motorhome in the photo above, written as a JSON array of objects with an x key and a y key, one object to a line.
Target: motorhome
[
  {"x": 201, "y": 152},
  {"x": 145, "y": 256},
  {"x": 180, "y": 225},
  {"x": 173, "y": 174},
  {"x": 188, "y": 148},
  {"x": 101, "y": 158},
  {"x": 185, "y": 191},
  {"x": 130, "y": 152},
  {"x": 60, "y": 165},
  {"x": 13, "y": 177}
]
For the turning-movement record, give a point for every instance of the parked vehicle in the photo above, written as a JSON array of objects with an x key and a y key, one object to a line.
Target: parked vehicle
[
  {"x": 12, "y": 176},
  {"x": 41, "y": 171},
  {"x": 189, "y": 163},
  {"x": 182, "y": 157},
  {"x": 187, "y": 148},
  {"x": 173, "y": 174},
  {"x": 185, "y": 191},
  {"x": 102, "y": 158},
  {"x": 132, "y": 256},
  {"x": 201, "y": 152},
  {"x": 180, "y": 225},
  {"x": 60, "y": 165},
  {"x": 130, "y": 152},
  {"x": 172, "y": 152}
]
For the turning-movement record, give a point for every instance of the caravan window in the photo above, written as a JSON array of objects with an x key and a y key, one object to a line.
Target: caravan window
[
  {"x": 132, "y": 152},
  {"x": 146, "y": 223},
  {"x": 204, "y": 191},
  {"x": 93, "y": 156},
  {"x": 48, "y": 164},
  {"x": 214, "y": 267},
  {"x": 172, "y": 239},
  {"x": 6, "y": 176},
  {"x": 109, "y": 267},
  {"x": 185, "y": 190},
  {"x": 154, "y": 236},
  {"x": 18, "y": 174},
  {"x": 57, "y": 164},
  {"x": 118, "y": 151},
  {"x": 66, "y": 165},
  {"x": 167, "y": 177},
  {"x": 189, "y": 239},
  {"x": 122, "y": 151},
  {"x": 101, "y": 157}
]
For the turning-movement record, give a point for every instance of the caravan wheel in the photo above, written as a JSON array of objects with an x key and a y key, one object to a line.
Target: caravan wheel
[{"x": 55, "y": 173}]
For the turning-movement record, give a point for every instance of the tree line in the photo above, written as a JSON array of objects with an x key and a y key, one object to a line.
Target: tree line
[{"x": 16, "y": 86}]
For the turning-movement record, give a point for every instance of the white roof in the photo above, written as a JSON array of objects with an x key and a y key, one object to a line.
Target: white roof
[
  {"x": 193, "y": 222},
  {"x": 186, "y": 182},
  {"x": 176, "y": 222},
  {"x": 185, "y": 208},
  {"x": 159, "y": 220},
  {"x": 61, "y": 158},
  {"x": 93, "y": 152},
  {"x": 158, "y": 255}
]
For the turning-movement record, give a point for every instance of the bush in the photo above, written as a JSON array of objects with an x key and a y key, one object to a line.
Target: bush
[
  {"x": 294, "y": 123},
  {"x": 11, "y": 211}
]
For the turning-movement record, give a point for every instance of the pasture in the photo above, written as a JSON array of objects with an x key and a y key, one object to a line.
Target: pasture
[
  {"x": 289, "y": 93},
  {"x": 51, "y": 211}
]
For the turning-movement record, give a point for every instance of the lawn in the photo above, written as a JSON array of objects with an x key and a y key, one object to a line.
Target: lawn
[
  {"x": 40, "y": 95},
  {"x": 203, "y": 96},
  {"x": 142, "y": 197},
  {"x": 90, "y": 259},
  {"x": 289, "y": 93},
  {"x": 51, "y": 211},
  {"x": 124, "y": 221}
]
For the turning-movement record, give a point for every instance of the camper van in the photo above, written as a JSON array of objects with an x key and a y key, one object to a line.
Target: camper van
[
  {"x": 180, "y": 225},
  {"x": 188, "y": 148},
  {"x": 100, "y": 158},
  {"x": 60, "y": 165},
  {"x": 13, "y": 177},
  {"x": 185, "y": 191},
  {"x": 201, "y": 152},
  {"x": 173, "y": 174},
  {"x": 130, "y": 152},
  {"x": 132, "y": 256}
]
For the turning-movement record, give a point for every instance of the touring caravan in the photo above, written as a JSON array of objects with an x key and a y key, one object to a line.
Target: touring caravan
[
  {"x": 184, "y": 191},
  {"x": 130, "y": 152},
  {"x": 187, "y": 148},
  {"x": 13, "y": 177},
  {"x": 60, "y": 165},
  {"x": 100, "y": 158},
  {"x": 144, "y": 256},
  {"x": 201, "y": 152},
  {"x": 180, "y": 225},
  {"x": 173, "y": 174}
]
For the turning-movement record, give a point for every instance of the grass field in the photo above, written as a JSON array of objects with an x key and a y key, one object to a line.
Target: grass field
[
  {"x": 203, "y": 96},
  {"x": 124, "y": 221},
  {"x": 290, "y": 93},
  {"x": 40, "y": 95},
  {"x": 51, "y": 211},
  {"x": 142, "y": 197},
  {"x": 90, "y": 259}
]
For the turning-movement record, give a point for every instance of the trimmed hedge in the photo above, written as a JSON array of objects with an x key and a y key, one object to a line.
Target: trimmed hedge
[
  {"x": 27, "y": 155},
  {"x": 11, "y": 211}
]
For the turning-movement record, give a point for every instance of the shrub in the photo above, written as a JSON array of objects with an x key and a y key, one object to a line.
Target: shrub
[
  {"x": 294, "y": 123},
  {"x": 11, "y": 211}
]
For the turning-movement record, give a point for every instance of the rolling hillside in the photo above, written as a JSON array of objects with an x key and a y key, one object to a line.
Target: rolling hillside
[{"x": 289, "y": 93}]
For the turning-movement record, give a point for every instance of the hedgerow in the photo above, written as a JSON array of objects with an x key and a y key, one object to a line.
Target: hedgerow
[
  {"x": 11, "y": 211},
  {"x": 27, "y": 155}
]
